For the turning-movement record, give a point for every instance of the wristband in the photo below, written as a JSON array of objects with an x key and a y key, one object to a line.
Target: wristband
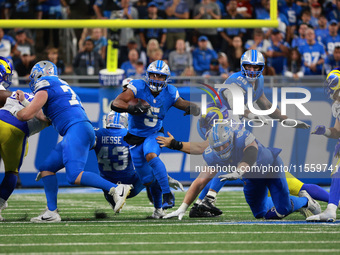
[
  {"x": 24, "y": 102},
  {"x": 328, "y": 132},
  {"x": 176, "y": 145}
]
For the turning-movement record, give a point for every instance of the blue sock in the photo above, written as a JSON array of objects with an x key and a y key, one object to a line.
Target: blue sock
[
  {"x": 298, "y": 202},
  {"x": 8, "y": 185},
  {"x": 316, "y": 192},
  {"x": 51, "y": 191},
  {"x": 95, "y": 181},
  {"x": 204, "y": 191},
  {"x": 160, "y": 173},
  {"x": 156, "y": 193},
  {"x": 334, "y": 193}
]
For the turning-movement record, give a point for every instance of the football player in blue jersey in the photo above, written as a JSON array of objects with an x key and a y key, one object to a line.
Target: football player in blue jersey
[
  {"x": 238, "y": 150},
  {"x": 205, "y": 204},
  {"x": 14, "y": 133},
  {"x": 250, "y": 76},
  {"x": 115, "y": 164},
  {"x": 146, "y": 122},
  {"x": 63, "y": 107},
  {"x": 332, "y": 85}
]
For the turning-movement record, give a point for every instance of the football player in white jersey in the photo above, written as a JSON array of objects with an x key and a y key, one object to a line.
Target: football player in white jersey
[
  {"x": 14, "y": 133},
  {"x": 332, "y": 85}
]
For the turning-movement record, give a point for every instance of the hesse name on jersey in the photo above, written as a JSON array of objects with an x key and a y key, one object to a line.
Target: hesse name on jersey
[{"x": 111, "y": 140}]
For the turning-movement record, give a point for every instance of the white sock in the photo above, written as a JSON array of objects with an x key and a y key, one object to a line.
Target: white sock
[
  {"x": 212, "y": 193},
  {"x": 198, "y": 201},
  {"x": 332, "y": 207},
  {"x": 2, "y": 202}
]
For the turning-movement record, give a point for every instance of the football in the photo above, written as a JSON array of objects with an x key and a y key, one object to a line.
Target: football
[{"x": 137, "y": 100}]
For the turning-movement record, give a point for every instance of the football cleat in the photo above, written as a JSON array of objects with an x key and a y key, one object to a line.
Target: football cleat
[
  {"x": 47, "y": 216},
  {"x": 197, "y": 212},
  {"x": 3, "y": 206},
  {"x": 119, "y": 195},
  {"x": 326, "y": 216},
  {"x": 313, "y": 206},
  {"x": 158, "y": 213},
  {"x": 168, "y": 200},
  {"x": 208, "y": 204}
]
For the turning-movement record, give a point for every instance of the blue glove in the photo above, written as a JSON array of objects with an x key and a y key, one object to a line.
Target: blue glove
[{"x": 319, "y": 130}]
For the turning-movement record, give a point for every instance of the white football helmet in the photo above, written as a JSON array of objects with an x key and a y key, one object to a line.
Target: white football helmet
[
  {"x": 254, "y": 58},
  {"x": 40, "y": 69},
  {"x": 116, "y": 120},
  {"x": 221, "y": 140},
  {"x": 161, "y": 68}
]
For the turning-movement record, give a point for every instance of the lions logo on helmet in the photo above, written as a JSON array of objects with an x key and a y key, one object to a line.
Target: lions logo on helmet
[
  {"x": 221, "y": 140},
  {"x": 6, "y": 72},
  {"x": 254, "y": 58},
  {"x": 116, "y": 120},
  {"x": 332, "y": 83},
  {"x": 41, "y": 69},
  {"x": 158, "y": 69},
  {"x": 206, "y": 121}
]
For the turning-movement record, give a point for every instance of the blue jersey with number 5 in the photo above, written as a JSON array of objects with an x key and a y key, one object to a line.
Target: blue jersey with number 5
[
  {"x": 63, "y": 106},
  {"x": 146, "y": 124},
  {"x": 114, "y": 159}
]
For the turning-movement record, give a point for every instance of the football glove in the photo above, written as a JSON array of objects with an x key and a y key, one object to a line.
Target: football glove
[
  {"x": 192, "y": 109},
  {"x": 175, "y": 184},
  {"x": 138, "y": 109},
  {"x": 296, "y": 124},
  {"x": 178, "y": 213},
  {"x": 257, "y": 118},
  {"x": 319, "y": 130},
  {"x": 231, "y": 177}
]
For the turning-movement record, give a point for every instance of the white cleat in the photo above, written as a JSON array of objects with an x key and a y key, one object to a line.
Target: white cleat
[
  {"x": 47, "y": 217},
  {"x": 119, "y": 195},
  {"x": 158, "y": 213},
  {"x": 3, "y": 206},
  {"x": 329, "y": 215},
  {"x": 313, "y": 206}
]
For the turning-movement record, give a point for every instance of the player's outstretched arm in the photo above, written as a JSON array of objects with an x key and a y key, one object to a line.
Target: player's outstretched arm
[
  {"x": 195, "y": 188},
  {"x": 33, "y": 108},
  {"x": 265, "y": 104},
  {"x": 248, "y": 159},
  {"x": 187, "y": 106},
  {"x": 195, "y": 148},
  {"x": 333, "y": 132}
]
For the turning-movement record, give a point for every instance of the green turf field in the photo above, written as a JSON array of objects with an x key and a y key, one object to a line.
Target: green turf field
[{"x": 130, "y": 232}]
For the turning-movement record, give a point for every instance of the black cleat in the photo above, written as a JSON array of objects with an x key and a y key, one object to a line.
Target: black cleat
[
  {"x": 208, "y": 205},
  {"x": 196, "y": 212}
]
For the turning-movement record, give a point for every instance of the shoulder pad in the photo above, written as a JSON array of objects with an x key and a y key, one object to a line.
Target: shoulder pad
[{"x": 42, "y": 83}]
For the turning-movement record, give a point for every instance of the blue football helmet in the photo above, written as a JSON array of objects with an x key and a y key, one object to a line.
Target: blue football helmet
[
  {"x": 332, "y": 83},
  {"x": 206, "y": 121},
  {"x": 116, "y": 120},
  {"x": 41, "y": 69},
  {"x": 254, "y": 58},
  {"x": 6, "y": 72},
  {"x": 221, "y": 140},
  {"x": 161, "y": 69}
]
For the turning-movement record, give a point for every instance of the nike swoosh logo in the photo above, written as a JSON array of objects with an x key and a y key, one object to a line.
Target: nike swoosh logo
[
  {"x": 122, "y": 193},
  {"x": 48, "y": 218}
]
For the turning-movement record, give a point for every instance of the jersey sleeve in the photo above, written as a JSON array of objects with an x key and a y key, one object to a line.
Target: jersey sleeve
[
  {"x": 136, "y": 86},
  {"x": 41, "y": 85},
  {"x": 243, "y": 138},
  {"x": 173, "y": 93},
  {"x": 336, "y": 110}
]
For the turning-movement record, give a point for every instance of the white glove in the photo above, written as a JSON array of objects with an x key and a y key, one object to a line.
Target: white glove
[
  {"x": 258, "y": 118},
  {"x": 231, "y": 177},
  {"x": 14, "y": 110},
  {"x": 178, "y": 213},
  {"x": 173, "y": 183},
  {"x": 296, "y": 124}
]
